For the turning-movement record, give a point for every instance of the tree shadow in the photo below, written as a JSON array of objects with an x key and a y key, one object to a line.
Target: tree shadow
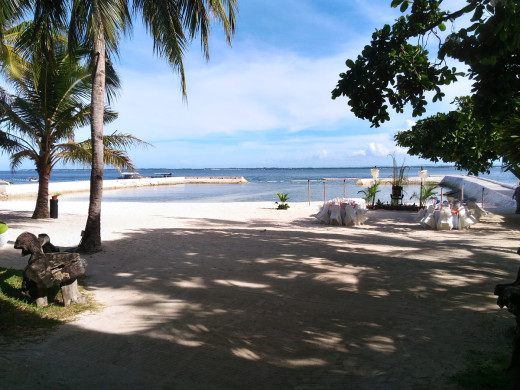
[{"x": 227, "y": 305}]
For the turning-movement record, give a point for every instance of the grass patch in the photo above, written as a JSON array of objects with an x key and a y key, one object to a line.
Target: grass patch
[
  {"x": 21, "y": 318},
  {"x": 486, "y": 371}
]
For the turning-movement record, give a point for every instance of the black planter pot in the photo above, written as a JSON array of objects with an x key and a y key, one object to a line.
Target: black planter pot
[{"x": 397, "y": 191}]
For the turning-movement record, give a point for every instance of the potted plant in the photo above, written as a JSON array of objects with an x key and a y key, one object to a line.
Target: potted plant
[
  {"x": 398, "y": 180},
  {"x": 283, "y": 201},
  {"x": 427, "y": 192},
  {"x": 3, "y": 233},
  {"x": 370, "y": 193},
  {"x": 55, "y": 196}
]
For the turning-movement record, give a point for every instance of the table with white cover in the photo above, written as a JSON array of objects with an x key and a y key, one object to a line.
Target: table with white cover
[
  {"x": 343, "y": 211},
  {"x": 447, "y": 216}
]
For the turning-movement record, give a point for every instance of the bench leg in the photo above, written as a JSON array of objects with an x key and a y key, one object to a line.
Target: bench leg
[{"x": 71, "y": 293}]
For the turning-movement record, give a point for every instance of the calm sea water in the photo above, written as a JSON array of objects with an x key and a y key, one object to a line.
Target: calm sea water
[{"x": 263, "y": 184}]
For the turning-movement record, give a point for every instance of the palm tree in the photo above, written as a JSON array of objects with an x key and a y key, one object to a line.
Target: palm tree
[
  {"x": 371, "y": 192},
  {"x": 426, "y": 193},
  {"x": 100, "y": 24},
  {"x": 47, "y": 107}
]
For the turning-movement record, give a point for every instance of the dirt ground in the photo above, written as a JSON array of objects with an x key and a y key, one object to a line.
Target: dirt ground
[{"x": 243, "y": 296}]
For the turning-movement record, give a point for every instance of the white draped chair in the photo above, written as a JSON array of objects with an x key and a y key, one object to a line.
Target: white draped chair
[
  {"x": 351, "y": 218},
  {"x": 429, "y": 218},
  {"x": 335, "y": 215},
  {"x": 323, "y": 214},
  {"x": 361, "y": 213},
  {"x": 420, "y": 214},
  {"x": 479, "y": 212},
  {"x": 445, "y": 221}
]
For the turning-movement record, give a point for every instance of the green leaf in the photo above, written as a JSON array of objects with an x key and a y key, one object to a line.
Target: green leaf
[
  {"x": 404, "y": 6},
  {"x": 350, "y": 63},
  {"x": 478, "y": 13}
]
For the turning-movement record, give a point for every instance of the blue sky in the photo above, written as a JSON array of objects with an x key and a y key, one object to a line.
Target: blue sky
[{"x": 266, "y": 100}]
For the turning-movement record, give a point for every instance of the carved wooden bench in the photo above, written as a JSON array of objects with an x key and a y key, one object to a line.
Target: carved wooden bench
[
  {"x": 47, "y": 267},
  {"x": 509, "y": 296}
]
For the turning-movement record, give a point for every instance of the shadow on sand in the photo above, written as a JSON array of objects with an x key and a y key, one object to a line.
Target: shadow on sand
[{"x": 227, "y": 305}]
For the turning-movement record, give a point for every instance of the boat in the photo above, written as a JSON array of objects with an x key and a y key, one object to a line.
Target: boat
[
  {"x": 130, "y": 175},
  {"x": 4, "y": 183}
]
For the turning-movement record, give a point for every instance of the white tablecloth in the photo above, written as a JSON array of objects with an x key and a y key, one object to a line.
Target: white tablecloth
[
  {"x": 343, "y": 211},
  {"x": 448, "y": 217}
]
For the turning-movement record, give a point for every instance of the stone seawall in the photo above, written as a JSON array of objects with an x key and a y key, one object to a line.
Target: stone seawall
[{"x": 31, "y": 190}]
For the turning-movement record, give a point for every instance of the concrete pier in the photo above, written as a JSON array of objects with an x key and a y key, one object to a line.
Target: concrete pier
[
  {"x": 496, "y": 195},
  {"x": 31, "y": 190}
]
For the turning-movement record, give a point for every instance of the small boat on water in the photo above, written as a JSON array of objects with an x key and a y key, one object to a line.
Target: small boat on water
[
  {"x": 130, "y": 175},
  {"x": 4, "y": 183},
  {"x": 33, "y": 179}
]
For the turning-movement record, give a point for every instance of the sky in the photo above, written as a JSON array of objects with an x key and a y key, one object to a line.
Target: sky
[{"x": 264, "y": 101}]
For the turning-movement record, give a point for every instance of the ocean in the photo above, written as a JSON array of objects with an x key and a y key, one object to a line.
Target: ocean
[{"x": 263, "y": 184}]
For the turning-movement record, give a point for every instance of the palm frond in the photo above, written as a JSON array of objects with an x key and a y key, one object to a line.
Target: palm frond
[
  {"x": 18, "y": 157},
  {"x": 163, "y": 20},
  {"x": 114, "y": 18},
  {"x": 115, "y": 151},
  {"x": 123, "y": 141},
  {"x": 8, "y": 143}
]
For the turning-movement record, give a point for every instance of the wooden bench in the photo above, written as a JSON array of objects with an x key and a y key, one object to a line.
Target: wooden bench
[
  {"x": 509, "y": 296},
  {"x": 47, "y": 268}
]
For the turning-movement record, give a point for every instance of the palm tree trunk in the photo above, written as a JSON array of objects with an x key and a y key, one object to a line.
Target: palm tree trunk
[
  {"x": 91, "y": 240},
  {"x": 41, "y": 209}
]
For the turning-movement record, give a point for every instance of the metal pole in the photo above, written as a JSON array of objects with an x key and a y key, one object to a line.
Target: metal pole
[
  {"x": 309, "y": 190},
  {"x": 344, "y": 184},
  {"x": 420, "y": 196},
  {"x": 462, "y": 193},
  {"x": 441, "y": 194},
  {"x": 482, "y": 197},
  {"x": 324, "y": 199}
]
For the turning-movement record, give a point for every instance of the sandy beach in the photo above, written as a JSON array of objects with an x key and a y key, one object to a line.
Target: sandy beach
[{"x": 241, "y": 295}]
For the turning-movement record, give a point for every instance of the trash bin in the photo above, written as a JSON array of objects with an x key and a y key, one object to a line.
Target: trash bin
[{"x": 54, "y": 208}]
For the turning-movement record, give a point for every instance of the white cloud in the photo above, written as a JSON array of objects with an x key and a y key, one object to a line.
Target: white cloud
[
  {"x": 255, "y": 91},
  {"x": 410, "y": 123},
  {"x": 377, "y": 149},
  {"x": 322, "y": 154}
]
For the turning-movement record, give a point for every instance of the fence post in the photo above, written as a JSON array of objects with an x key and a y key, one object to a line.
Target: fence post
[{"x": 309, "y": 190}]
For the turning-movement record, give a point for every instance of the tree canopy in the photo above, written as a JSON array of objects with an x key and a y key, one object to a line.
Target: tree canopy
[{"x": 397, "y": 69}]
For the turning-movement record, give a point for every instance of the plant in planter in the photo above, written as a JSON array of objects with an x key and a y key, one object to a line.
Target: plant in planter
[
  {"x": 283, "y": 201},
  {"x": 370, "y": 193},
  {"x": 398, "y": 180},
  {"x": 3, "y": 233},
  {"x": 55, "y": 196},
  {"x": 427, "y": 192}
]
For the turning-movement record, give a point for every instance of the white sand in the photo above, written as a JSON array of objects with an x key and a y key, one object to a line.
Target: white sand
[{"x": 240, "y": 295}]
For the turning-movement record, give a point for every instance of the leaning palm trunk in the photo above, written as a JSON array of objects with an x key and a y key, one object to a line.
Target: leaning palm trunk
[{"x": 91, "y": 239}]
